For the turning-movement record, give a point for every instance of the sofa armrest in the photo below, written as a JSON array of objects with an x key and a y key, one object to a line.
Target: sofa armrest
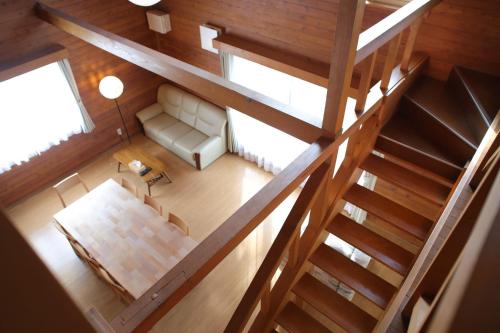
[
  {"x": 149, "y": 112},
  {"x": 208, "y": 151}
]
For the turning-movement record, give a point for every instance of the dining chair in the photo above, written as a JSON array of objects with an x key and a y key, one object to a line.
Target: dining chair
[
  {"x": 153, "y": 204},
  {"x": 68, "y": 183},
  {"x": 127, "y": 184},
  {"x": 117, "y": 288},
  {"x": 177, "y": 221}
]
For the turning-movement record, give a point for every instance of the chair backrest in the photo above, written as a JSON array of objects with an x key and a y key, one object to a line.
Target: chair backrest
[
  {"x": 68, "y": 183},
  {"x": 127, "y": 184},
  {"x": 153, "y": 204},
  {"x": 174, "y": 219}
]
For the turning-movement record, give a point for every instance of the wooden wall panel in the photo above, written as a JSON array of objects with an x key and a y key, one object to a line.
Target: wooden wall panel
[
  {"x": 457, "y": 32},
  {"x": 462, "y": 32},
  {"x": 294, "y": 26},
  {"x": 21, "y": 31}
]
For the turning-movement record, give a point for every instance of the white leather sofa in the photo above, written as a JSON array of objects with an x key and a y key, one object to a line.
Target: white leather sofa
[{"x": 192, "y": 128}]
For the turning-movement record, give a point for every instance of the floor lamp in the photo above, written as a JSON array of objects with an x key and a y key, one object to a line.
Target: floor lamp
[{"x": 111, "y": 87}]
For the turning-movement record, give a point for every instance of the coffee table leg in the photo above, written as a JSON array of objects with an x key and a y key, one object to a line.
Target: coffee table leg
[
  {"x": 165, "y": 174},
  {"x": 119, "y": 164}
]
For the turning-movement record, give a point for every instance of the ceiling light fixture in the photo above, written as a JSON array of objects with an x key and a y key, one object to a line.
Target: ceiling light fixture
[{"x": 144, "y": 3}]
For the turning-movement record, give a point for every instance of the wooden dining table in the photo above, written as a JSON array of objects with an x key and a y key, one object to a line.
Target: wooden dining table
[{"x": 127, "y": 238}]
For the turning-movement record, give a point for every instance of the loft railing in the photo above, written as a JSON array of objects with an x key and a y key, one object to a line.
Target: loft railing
[{"x": 320, "y": 195}]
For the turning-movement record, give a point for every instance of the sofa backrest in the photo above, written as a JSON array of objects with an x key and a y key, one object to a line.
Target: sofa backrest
[
  {"x": 170, "y": 98},
  {"x": 192, "y": 110}
]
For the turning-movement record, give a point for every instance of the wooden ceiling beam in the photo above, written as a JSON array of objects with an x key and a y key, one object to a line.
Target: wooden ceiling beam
[
  {"x": 31, "y": 61},
  {"x": 297, "y": 65},
  {"x": 207, "y": 85}
]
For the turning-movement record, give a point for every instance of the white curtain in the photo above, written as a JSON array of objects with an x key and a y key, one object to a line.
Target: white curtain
[
  {"x": 270, "y": 148},
  {"x": 38, "y": 109},
  {"x": 87, "y": 123}
]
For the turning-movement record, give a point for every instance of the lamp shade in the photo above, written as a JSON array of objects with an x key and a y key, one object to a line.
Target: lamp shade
[
  {"x": 111, "y": 87},
  {"x": 144, "y": 3}
]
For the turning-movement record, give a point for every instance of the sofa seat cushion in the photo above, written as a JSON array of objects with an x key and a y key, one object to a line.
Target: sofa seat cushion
[
  {"x": 184, "y": 146},
  {"x": 190, "y": 140},
  {"x": 156, "y": 125},
  {"x": 170, "y": 134}
]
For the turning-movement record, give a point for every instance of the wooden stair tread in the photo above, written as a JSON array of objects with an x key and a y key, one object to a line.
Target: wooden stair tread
[
  {"x": 332, "y": 305},
  {"x": 485, "y": 88},
  {"x": 433, "y": 97},
  {"x": 294, "y": 319},
  {"x": 374, "y": 245},
  {"x": 476, "y": 116},
  {"x": 387, "y": 210},
  {"x": 390, "y": 147},
  {"x": 406, "y": 179},
  {"x": 401, "y": 130},
  {"x": 355, "y": 276}
]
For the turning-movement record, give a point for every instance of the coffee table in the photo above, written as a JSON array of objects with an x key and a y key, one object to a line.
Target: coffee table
[{"x": 158, "y": 168}]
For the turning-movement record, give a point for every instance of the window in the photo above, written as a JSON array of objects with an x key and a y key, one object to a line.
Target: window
[
  {"x": 38, "y": 109},
  {"x": 270, "y": 148}
]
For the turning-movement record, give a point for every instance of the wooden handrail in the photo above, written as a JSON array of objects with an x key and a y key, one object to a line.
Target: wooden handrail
[
  {"x": 387, "y": 29},
  {"x": 145, "y": 311}
]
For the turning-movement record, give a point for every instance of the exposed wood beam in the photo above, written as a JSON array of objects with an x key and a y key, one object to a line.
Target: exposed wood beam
[
  {"x": 293, "y": 64},
  {"x": 209, "y": 86},
  {"x": 304, "y": 68},
  {"x": 349, "y": 21},
  {"x": 142, "y": 314},
  {"x": 33, "y": 60}
]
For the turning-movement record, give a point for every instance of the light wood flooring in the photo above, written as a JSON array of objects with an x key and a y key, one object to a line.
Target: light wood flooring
[{"x": 203, "y": 199}]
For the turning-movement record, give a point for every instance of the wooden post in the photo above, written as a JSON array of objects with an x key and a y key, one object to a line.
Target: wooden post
[
  {"x": 365, "y": 82},
  {"x": 347, "y": 31},
  {"x": 390, "y": 62},
  {"x": 410, "y": 44}
]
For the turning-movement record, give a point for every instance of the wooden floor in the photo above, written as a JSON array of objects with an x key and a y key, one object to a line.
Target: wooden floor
[{"x": 203, "y": 199}]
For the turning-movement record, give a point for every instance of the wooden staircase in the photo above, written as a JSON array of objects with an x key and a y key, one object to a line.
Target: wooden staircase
[
  {"x": 439, "y": 125},
  {"x": 425, "y": 146}
]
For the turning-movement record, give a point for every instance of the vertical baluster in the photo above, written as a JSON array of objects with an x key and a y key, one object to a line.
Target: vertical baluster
[
  {"x": 390, "y": 61},
  {"x": 410, "y": 44},
  {"x": 365, "y": 82}
]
